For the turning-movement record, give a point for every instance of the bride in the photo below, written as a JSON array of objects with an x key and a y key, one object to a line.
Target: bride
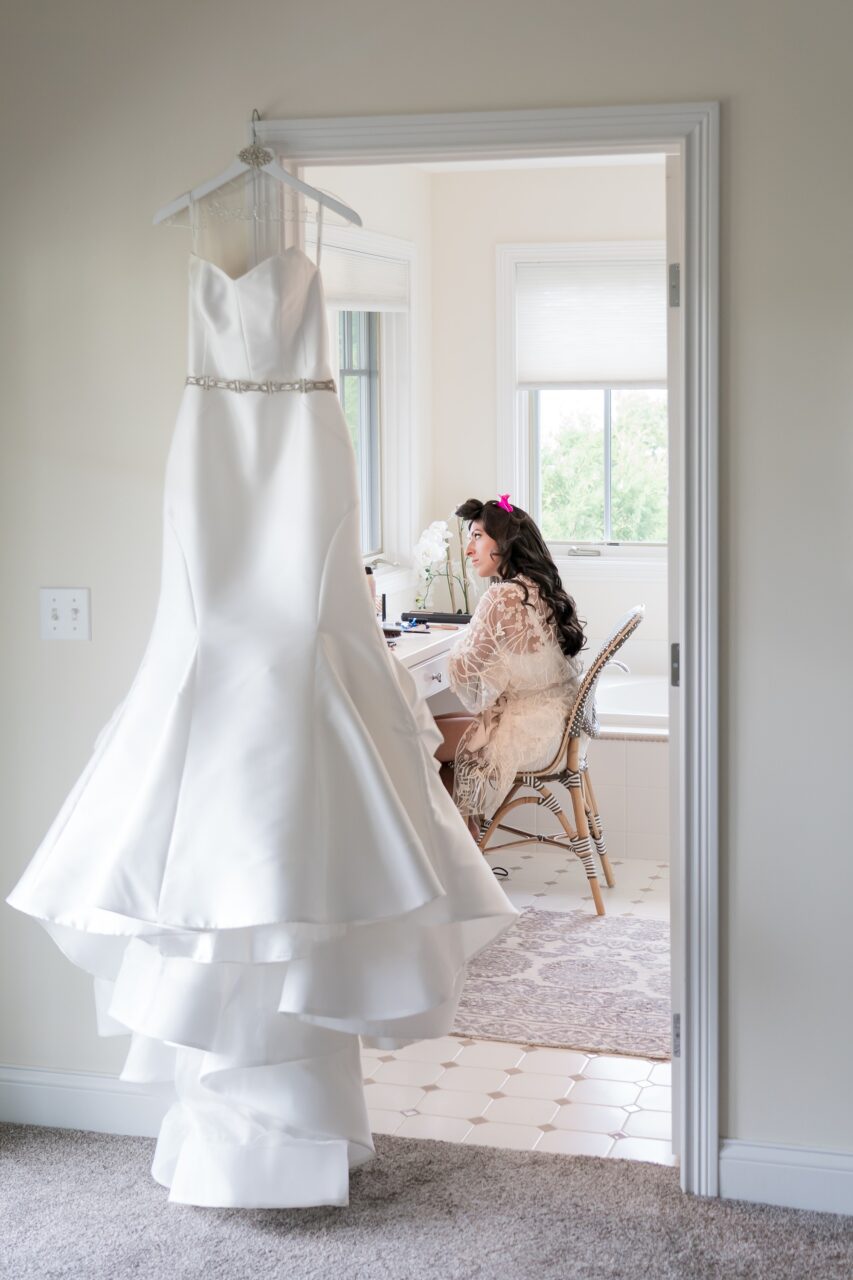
[{"x": 515, "y": 668}]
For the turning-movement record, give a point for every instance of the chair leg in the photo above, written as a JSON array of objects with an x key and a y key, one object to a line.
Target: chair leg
[
  {"x": 488, "y": 827},
  {"x": 578, "y": 839},
  {"x": 596, "y": 829},
  {"x": 486, "y": 832}
]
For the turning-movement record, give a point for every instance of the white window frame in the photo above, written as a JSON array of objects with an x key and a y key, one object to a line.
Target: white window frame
[
  {"x": 370, "y": 446},
  {"x": 590, "y": 560},
  {"x": 398, "y": 401}
]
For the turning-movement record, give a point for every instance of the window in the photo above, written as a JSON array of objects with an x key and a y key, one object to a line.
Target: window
[
  {"x": 583, "y": 427},
  {"x": 358, "y": 351},
  {"x": 598, "y": 464},
  {"x": 367, "y": 283}
]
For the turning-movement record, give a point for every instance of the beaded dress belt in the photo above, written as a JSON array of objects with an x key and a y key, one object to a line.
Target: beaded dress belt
[{"x": 239, "y": 384}]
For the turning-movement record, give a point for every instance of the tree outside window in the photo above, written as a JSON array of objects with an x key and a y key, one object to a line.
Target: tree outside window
[{"x": 600, "y": 464}]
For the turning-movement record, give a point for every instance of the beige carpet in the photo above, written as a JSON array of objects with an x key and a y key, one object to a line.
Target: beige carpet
[
  {"x": 572, "y": 980},
  {"x": 83, "y": 1206}
]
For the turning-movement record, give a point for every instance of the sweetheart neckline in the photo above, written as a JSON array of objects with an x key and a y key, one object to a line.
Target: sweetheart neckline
[{"x": 273, "y": 257}]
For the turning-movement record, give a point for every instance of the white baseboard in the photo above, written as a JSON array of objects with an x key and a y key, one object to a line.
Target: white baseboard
[
  {"x": 796, "y": 1177},
  {"x": 82, "y": 1100},
  {"x": 762, "y": 1173}
]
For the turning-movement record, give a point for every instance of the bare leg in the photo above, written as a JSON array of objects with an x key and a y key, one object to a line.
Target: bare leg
[{"x": 453, "y": 726}]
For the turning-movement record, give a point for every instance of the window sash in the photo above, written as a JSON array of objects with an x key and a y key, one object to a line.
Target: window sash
[
  {"x": 360, "y": 329},
  {"x": 588, "y": 316},
  {"x": 531, "y": 396}
]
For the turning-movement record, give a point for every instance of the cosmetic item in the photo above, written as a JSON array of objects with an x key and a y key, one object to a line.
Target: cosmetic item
[
  {"x": 424, "y": 615},
  {"x": 371, "y": 582}
]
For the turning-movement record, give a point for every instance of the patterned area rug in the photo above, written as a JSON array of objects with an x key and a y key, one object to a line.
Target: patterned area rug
[{"x": 571, "y": 980}]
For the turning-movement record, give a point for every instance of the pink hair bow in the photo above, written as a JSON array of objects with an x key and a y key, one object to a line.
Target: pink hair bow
[{"x": 504, "y": 502}]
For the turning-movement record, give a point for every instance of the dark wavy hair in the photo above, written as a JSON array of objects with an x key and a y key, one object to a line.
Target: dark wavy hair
[{"x": 522, "y": 550}]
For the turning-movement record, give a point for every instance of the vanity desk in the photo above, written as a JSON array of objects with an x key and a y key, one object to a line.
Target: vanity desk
[{"x": 425, "y": 656}]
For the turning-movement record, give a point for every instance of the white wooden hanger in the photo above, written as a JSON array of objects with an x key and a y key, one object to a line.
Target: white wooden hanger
[{"x": 256, "y": 156}]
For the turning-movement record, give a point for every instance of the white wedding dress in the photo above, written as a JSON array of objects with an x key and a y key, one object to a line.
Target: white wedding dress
[{"x": 260, "y": 864}]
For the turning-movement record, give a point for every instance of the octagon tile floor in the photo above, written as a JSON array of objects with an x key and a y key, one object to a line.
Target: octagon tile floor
[{"x": 496, "y": 1094}]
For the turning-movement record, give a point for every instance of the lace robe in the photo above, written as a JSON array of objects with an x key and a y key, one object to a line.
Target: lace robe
[{"x": 509, "y": 670}]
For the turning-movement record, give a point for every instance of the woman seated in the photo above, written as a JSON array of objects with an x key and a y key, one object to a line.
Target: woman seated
[{"x": 515, "y": 666}]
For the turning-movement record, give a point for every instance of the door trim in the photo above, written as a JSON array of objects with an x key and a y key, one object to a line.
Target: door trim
[{"x": 690, "y": 130}]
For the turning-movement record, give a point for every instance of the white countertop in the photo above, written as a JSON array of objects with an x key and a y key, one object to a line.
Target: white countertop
[{"x": 412, "y": 649}]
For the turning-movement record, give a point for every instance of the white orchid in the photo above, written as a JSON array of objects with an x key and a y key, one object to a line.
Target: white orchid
[
  {"x": 437, "y": 536},
  {"x": 431, "y": 547},
  {"x": 433, "y": 555}
]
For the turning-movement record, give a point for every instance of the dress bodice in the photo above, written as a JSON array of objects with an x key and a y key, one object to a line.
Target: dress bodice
[{"x": 269, "y": 322}]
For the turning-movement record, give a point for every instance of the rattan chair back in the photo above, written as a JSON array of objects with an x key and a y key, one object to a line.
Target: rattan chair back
[{"x": 582, "y": 718}]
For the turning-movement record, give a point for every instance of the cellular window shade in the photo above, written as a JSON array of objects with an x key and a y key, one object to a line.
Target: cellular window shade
[
  {"x": 592, "y": 322},
  {"x": 363, "y": 282}
]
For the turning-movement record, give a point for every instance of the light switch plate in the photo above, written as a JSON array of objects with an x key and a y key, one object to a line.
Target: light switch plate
[{"x": 65, "y": 613}]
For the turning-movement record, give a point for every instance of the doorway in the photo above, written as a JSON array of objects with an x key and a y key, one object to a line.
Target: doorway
[{"x": 688, "y": 134}]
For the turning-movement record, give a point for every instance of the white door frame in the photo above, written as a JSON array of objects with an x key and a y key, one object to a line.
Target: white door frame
[{"x": 690, "y": 130}]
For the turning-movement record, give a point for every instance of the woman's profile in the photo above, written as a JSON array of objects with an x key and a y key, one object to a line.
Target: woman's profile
[{"x": 515, "y": 668}]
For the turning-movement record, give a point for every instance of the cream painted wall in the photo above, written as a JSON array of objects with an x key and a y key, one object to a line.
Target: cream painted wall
[
  {"x": 472, "y": 213},
  {"x": 457, "y": 220},
  {"x": 112, "y": 108}
]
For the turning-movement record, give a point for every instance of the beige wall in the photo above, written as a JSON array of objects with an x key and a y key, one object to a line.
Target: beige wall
[
  {"x": 472, "y": 213},
  {"x": 456, "y": 220},
  {"x": 112, "y": 108}
]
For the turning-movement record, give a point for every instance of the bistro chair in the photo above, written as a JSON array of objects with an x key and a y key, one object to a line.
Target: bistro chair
[{"x": 569, "y": 768}]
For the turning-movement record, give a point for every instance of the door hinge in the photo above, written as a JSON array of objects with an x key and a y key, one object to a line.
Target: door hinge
[
  {"x": 675, "y": 665},
  {"x": 676, "y": 1035},
  {"x": 675, "y": 284}
]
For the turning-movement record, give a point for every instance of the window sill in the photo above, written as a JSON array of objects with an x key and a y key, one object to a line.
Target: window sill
[
  {"x": 610, "y": 567},
  {"x": 393, "y": 577}
]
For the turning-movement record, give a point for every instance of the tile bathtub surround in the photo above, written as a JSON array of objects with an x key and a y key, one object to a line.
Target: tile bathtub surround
[{"x": 631, "y": 780}]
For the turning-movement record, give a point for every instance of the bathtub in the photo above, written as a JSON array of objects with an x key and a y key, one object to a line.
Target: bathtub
[{"x": 632, "y": 705}]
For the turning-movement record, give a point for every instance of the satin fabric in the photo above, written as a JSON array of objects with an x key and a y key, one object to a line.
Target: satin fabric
[{"x": 259, "y": 863}]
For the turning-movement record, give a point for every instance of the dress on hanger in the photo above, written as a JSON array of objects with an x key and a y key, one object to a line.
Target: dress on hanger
[{"x": 259, "y": 864}]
